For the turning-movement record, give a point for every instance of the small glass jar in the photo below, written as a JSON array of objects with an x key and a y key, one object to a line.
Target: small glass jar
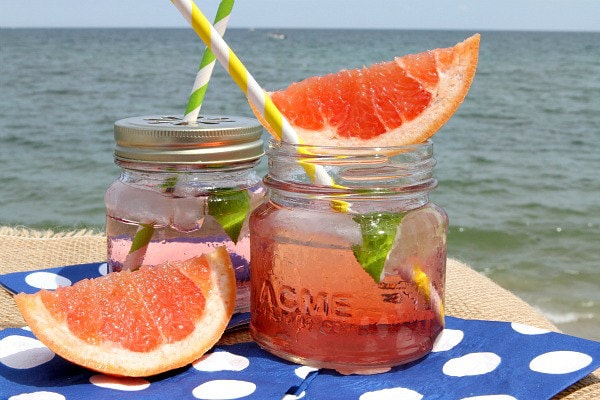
[
  {"x": 183, "y": 190},
  {"x": 348, "y": 276}
]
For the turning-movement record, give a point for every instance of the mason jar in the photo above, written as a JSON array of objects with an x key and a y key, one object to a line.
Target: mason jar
[
  {"x": 348, "y": 275},
  {"x": 183, "y": 190}
]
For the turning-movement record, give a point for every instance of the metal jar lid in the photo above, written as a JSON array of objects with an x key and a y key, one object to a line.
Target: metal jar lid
[{"x": 166, "y": 140}]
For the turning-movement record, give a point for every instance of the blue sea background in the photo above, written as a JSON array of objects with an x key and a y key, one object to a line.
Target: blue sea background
[{"x": 517, "y": 164}]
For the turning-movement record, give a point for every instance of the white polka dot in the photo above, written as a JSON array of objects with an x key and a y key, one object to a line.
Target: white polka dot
[
  {"x": 472, "y": 364},
  {"x": 221, "y": 361},
  {"x": 38, "y": 396},
  {"x": 392, "y": 394},
  {"x": 447, "y": 340},
  {"x": 223, "y": 390},
  {"x": 46, "y": 280},
  {"x": 491, "y": 397},
  {"x": 119, "y": 383},
  {"x": 560, "y": 362},
  {"x": 528, "y": 330},
  {"x": 21, "y": 352},
  {"x": 303, "y": 371},
  {"x": 103, "y": 269}
]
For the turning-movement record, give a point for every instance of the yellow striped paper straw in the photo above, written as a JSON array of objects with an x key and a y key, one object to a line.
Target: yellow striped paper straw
[
  {"x": 242, "y": 77},
  {"x": 206, "y": 65},
  {"x": 426, "y": 288},
  {"x": 261, "y": 100}
]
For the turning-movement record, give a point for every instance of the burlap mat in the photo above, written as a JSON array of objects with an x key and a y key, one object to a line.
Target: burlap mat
[{"x": 469, "y": 294}]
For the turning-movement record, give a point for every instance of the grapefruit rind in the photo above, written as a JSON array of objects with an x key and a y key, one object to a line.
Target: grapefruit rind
[
  {"x": 456, "y": 68},
  {"x": 112, "y": 359}
]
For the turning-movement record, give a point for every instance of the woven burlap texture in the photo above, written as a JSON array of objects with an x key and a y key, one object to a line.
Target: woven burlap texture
[{"x": 469, "y": 294}]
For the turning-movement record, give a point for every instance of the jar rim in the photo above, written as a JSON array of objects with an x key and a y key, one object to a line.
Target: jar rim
[{"x": 357, "y": 173}]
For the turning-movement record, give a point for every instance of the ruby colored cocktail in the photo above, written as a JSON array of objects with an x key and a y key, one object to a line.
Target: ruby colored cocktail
[
  {"x": 310, "y": 294},
  {"x": 312, "y": 302}
]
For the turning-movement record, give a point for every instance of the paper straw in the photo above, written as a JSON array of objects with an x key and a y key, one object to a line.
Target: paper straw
[
  {"x": 206, "y": 65},
  {"x": 139, "y": 247},
  {"x": 426, "y": 288},
  {"x": 242, "y": 77},
  {"x": 263, "y": 103}
]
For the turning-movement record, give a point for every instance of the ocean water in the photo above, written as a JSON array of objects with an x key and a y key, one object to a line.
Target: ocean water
[{"x": 517, "y": 165}]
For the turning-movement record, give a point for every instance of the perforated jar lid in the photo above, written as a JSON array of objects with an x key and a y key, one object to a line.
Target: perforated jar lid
[{"x": 166, "y": 140}]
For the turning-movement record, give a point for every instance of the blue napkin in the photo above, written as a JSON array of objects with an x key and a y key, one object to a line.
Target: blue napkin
[
  {"x": 51, "y": 278},
  {"x": 471, "y": 360}
]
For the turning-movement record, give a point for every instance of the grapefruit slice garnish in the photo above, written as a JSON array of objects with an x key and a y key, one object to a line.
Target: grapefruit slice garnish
[
  {"x": 137, "y": 323},
  {"x": 393, "y": 103}
]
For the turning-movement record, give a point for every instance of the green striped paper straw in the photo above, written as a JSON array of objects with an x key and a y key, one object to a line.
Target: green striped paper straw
[
  {"x": 206, "y": 65},
  {"x": 142, "y": 238}
]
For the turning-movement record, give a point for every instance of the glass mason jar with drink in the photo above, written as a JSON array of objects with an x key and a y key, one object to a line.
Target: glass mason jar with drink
[
  {"x": 184, "y": 189},
  {"x": 349, "y": 276}
]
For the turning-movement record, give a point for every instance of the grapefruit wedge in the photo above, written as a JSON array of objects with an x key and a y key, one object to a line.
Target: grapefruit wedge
[
  {"x": 137, "y": 323},
  {"x": 393, "y": 103}
]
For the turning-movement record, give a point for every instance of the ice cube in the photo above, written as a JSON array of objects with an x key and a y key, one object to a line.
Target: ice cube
[
  {"x": 323, "y": 228},
  {"x": 138, "y": 204},
  {"x": 187, "y": 213}
]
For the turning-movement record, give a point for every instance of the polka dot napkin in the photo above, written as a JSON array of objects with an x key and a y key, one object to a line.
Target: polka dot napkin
[{"x": 471, "y": 360}]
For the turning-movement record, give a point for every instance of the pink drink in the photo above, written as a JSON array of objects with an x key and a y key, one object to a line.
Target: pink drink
[
  {"x": 169, "y": 244},
  {"x": 184, "y": 189},
  {"x": 313, "y": 303},
  {"x": 181, "y": 237},
  {"x": 310, "y": 295}
]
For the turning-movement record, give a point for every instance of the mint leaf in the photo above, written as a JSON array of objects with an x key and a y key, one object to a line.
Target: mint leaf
[
  {"x": 230, "y": 208},
  {"x": 169, "y": 184},
  {"x": 378, "y": 231}
]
